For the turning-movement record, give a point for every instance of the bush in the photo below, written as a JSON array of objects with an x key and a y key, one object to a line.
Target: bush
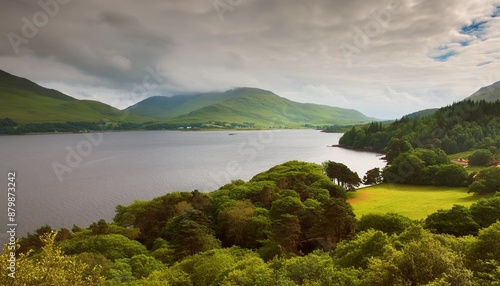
[
  {"x": 486, "y": 181},
  {"x": 481, "y": 157},
  {"x": 486, "y": 211},
  {"x": 112, "y": 246},
  {"x": 458, "y": 221},
  {"x": 390, "y": 223}
]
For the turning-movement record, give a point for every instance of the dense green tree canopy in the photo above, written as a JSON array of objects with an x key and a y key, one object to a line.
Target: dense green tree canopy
[
  {"x": 481, "y": 157},
  {"x": 455, "y": 128},
  {"x": 425, "y": 167},
  {"x": 486, "y": 211},
  {"x": 457, "y": 221},
  {"x": 486, "y": 181},
  {"x": 389, "y": 223}
]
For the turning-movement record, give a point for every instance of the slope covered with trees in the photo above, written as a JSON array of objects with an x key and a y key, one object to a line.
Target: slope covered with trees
[{"x": 460, "y": 127}]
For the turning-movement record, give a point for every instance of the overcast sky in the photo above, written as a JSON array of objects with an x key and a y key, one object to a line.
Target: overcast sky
[{"x": 385, "y": 58}]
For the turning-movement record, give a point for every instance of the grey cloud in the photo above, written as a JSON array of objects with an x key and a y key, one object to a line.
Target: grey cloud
[{"x": 288, "y": 46}]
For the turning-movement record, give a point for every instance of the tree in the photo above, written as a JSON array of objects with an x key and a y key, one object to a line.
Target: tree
[
  {"x": 484, "y": 255},
  {"x": 373, "y": 177},
  {"x": 286, "y": 232},
  {"x": 431, "y": 156},
  {"x": 486, "y": 181},
  {"x": 389, "y": 223},
  {"x": 189, "y": 234},
  {"x": 112, "y": 246},
  {"x": 101, "y": 227},
  {"x": 405, "y": 169},
  {"x": 120, "y": 273},
  {"x": 51, "y": 267},
  {"x": 63, "y": 234},
  {"x": 425, "y": 167},
  {"x": 249, "y": 271},
  {"x": 450, "y": 175},
  {"x": 33, "y": 241},
  {"x": 233, "y": 222},
  {"x": 142, "y": 265},
  {"x": 316, "y": 268},
  {"x": 420, "y": 261},
  {"x": 286, "y": 205},
  {"x": 486, "y": 211},
  {"x": 343, "y": 176},
  {"x": 335, "y": 223},
  {"x": 356, "y": 252},
  {"x": 396, "y": 146},
  {"x": 457, "y": 221},
  {"x": 243, "y": 224},
  {"x": 481, "y": 157}
]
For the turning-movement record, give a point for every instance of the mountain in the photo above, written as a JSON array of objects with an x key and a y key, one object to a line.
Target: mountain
[
  {"x": 489, "y": 93},
  {"x": 261, "y": 107},
  {"x": 162, "y": 107},
  {"x": 26, "y": 102}
]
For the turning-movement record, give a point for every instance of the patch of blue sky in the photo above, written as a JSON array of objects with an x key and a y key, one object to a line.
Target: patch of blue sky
[
  {"x": 475, "y": 29},
  {"x": 464, "y": 43},
  {"x": 496, "y": 13},
  {"x": 484, "y": 63},
  {"x": 445, "y": 56}
]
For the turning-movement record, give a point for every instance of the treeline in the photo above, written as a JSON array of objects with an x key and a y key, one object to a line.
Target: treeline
[
  {"x": 290, "y": 225},
  {"x": 10, "y": 127},
  {"x": 460, "y": 127},
  {"x": 433, "y": 167}
]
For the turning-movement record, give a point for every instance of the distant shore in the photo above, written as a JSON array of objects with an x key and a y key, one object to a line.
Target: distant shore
[
  {"x": 370, "y": 150},
  {"x": 231, "y": 131}
]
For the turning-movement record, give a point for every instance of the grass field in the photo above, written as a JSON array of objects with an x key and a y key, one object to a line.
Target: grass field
[{"x": 415, "y": 202}]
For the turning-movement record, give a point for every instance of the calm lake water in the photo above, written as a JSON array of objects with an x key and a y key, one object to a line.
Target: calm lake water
[{"x": 66, "y": 179}]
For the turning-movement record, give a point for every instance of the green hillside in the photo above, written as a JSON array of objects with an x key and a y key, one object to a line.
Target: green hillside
[
  {"x": 162, "y": 107},
  {"x": 261, "y": 107},
  {"x": 422, "y": 113},
  {"x": 489, "y": 93},
  {"x": 26, "y": 102},
  {"x": 459, "y": 127}
]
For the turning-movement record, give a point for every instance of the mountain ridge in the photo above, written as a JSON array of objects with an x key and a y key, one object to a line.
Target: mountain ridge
[
  {"x": 27, "y": 102},
  {"x": 488, "y": 93},
  {"x": 246, "y": 104}
]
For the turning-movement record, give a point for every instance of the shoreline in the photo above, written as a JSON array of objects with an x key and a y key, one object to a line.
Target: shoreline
[
  {"x": 232, "y": 131},
  {"x": 369, "y": 150}
]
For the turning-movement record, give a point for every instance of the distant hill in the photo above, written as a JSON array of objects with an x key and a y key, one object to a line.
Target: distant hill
[
  {"x": 261, "y": 107},
  {"x": 26, "y": 102},
  {"x": 422, "y": 113},
  {"x": 162, "y": 107},
  {"x": 489, "y": 93}
]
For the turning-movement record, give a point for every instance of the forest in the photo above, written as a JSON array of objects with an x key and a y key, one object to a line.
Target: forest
[
  {"x": 456, "y": 128},
  {"x": 290, "y": 225}
]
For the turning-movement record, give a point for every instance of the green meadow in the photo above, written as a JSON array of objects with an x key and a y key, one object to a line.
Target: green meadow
[{"x": 415, "y": 202}]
